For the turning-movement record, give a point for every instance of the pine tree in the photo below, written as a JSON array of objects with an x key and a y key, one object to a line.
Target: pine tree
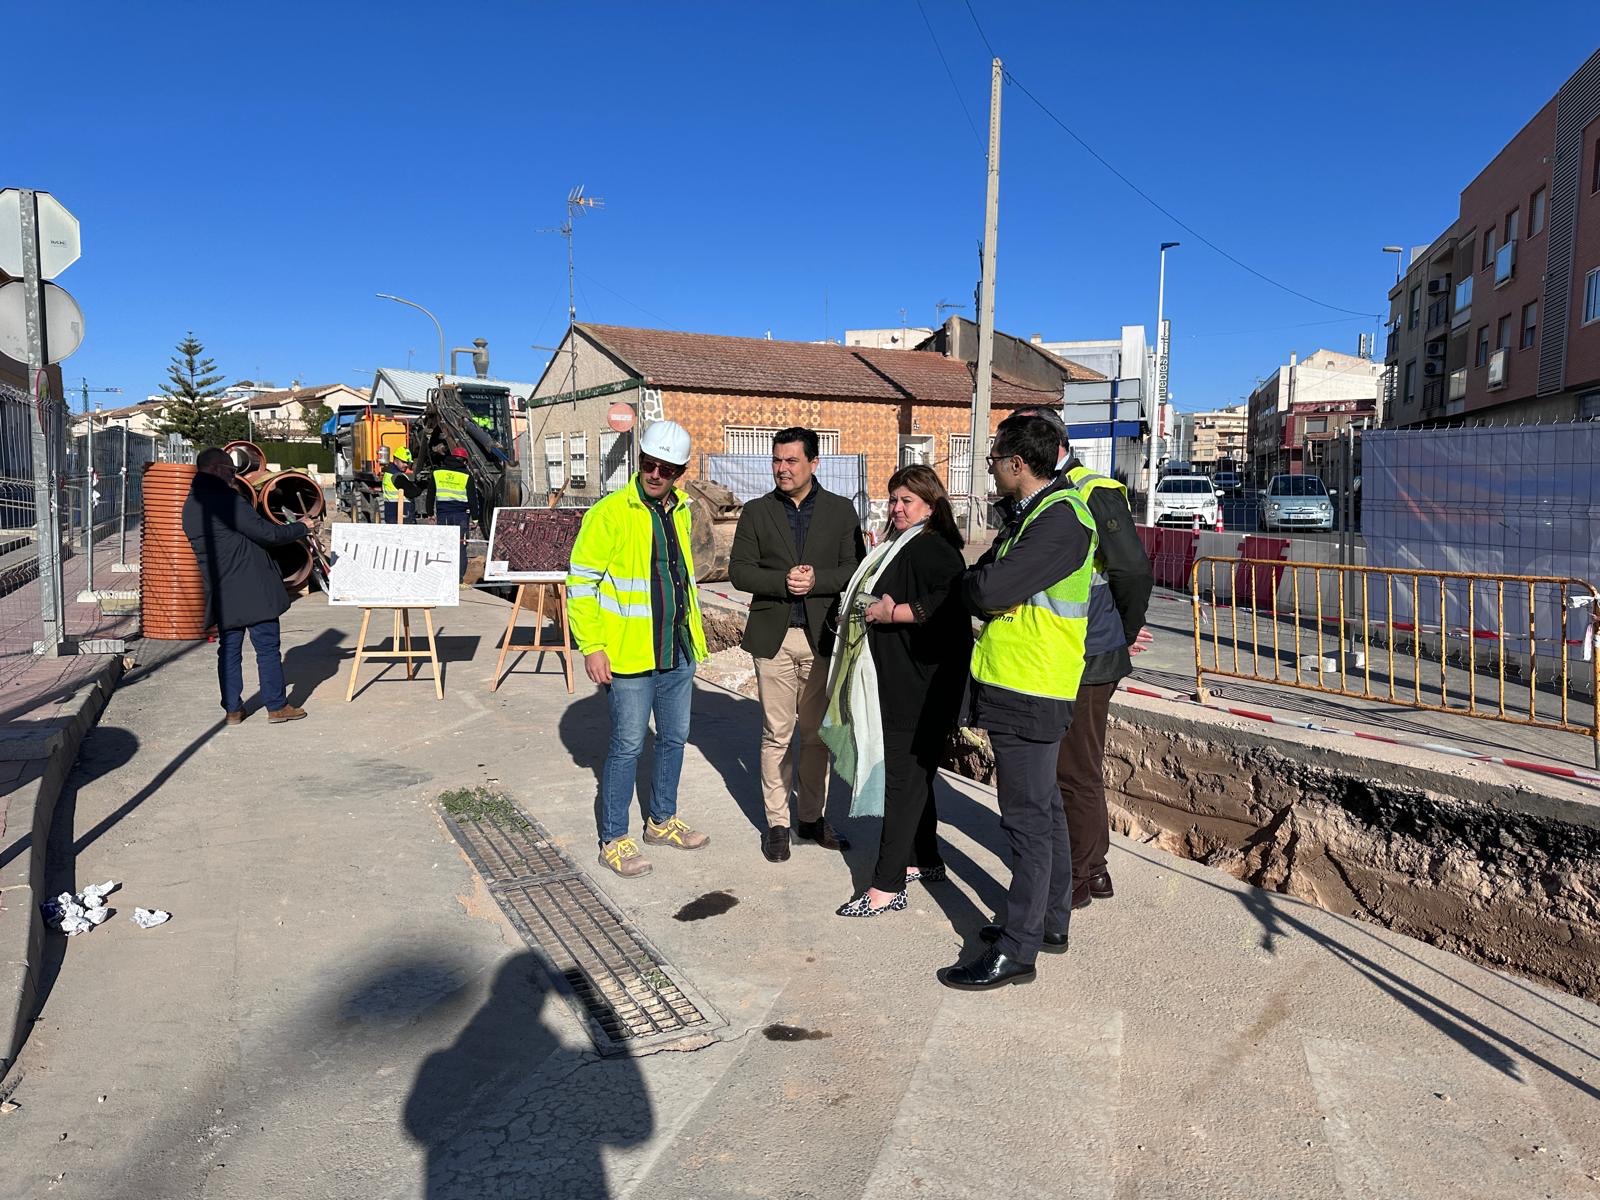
[{"x": 193, "y": 387}]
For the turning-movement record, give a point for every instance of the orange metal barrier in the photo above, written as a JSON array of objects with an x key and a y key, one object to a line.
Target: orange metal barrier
[{"x": 1324, "y": 612}]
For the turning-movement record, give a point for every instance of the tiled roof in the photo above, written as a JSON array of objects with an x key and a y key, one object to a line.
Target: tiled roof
[
  {"x": 300, "y": 395},
  {"x": 936, "y": 379},
  {"x": 708, "y": 361},
  {"x": 712, "y": 362}
]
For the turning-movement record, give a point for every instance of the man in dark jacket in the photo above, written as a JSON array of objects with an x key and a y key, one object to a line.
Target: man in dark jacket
[
  {"x": 1117, "y": 606},
  {"x": 794, "y": 552},
  {"x": 244, "y": 587}
]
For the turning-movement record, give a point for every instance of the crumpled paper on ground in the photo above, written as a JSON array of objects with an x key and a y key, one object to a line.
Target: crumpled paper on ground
[
  {"x": 149, "y": 918},
  {"x": 75, "y": 914}
]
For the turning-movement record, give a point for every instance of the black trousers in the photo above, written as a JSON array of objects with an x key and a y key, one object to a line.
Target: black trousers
[
  {"x": 910, "y": 820},
  {"x": 1081, "y": 775},
  {"x": 1035, "y": 825}
]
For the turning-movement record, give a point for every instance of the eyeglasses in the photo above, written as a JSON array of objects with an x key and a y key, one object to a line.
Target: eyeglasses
[
  {"x": 991, "y": 459},
  {"x": 650, "y": 466}
]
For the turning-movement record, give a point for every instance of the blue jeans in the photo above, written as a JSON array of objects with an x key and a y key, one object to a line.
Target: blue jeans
[
  {"x": 668, "y": 694},
  {"x": 269, "y": 666},
  {"x": 391, "y": 512}
]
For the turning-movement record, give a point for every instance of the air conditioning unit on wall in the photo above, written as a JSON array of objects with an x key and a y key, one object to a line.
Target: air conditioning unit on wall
[{"x": 1439, "y": 287}]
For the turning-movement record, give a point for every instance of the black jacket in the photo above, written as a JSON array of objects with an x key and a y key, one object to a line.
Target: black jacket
[
  {"x": 763, "y": 552},
  {"x": 1051, "y": 548},
  {"x": 243, "y": 584},
  {"x": 1128, "y": 575}
]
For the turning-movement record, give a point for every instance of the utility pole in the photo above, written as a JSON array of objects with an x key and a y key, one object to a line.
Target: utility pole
[
  {"x": 47, "y": 515},
  {"x": 1163, "y": 347},
  {"x": 979, "y": 467}
]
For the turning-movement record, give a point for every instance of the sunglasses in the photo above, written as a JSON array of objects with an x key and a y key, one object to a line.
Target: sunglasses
[{"x": 650, "y": 466}]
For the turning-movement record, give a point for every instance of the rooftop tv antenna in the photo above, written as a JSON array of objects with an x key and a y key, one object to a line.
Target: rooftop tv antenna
[
  {"x": 576, "y": 203},
  {"x": 943, "y": 307}
]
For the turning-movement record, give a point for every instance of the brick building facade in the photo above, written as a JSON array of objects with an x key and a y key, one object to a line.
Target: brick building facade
[
  {"x": 730, "y": 394},
  {"x": 1498, "y": 318}
]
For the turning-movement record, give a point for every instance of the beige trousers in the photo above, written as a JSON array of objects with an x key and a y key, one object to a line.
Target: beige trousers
[{"x": 793, "y": 686}]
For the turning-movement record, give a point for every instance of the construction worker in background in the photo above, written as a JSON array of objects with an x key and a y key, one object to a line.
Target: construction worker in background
[
  {"x": 1118, "y": 599},
  {"x": 454, "y": 499},
  {"x": 397, "y": 485},
  {"x": 636, "y": 616}
]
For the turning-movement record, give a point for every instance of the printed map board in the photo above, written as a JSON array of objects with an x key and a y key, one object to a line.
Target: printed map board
[
  {"x": 531, "y": 545},
  {"x": 395, "y": 565}
]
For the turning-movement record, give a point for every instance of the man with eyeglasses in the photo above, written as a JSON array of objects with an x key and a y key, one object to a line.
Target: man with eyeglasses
[
  {"x": 794, "y": 551},
  {"x": 1031, "y": 590},
  {"x": 636, "y": 616}
]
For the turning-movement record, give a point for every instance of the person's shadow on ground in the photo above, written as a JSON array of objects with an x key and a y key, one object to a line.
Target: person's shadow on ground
[
  {"x": 312, "y": 663},
  {"x": 508, "y": 1113}
]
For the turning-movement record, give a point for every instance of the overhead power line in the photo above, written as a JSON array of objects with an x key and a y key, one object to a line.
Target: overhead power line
[
  {"x": 950, "y": 74},
  {"x": 1146, "y": 196}
]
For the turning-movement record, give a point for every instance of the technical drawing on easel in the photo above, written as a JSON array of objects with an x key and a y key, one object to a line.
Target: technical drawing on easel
[{"x": 394, "y": 566}]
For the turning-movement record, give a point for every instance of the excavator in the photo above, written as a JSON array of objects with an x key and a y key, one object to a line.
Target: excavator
[{"x": 476, "y": 416}]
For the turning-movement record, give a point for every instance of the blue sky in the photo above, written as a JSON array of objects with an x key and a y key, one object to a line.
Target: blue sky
[{"x": 257, "y": 172}]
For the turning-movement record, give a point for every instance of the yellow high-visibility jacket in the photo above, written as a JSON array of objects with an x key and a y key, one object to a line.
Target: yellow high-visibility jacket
[{"x": 608, "y": 580}]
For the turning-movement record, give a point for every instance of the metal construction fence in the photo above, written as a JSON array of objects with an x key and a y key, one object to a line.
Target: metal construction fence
[
  {"x": 87, "y": 489},
  {"x": 1522, "y": 650},
  {"x": 750, "y": 475}
]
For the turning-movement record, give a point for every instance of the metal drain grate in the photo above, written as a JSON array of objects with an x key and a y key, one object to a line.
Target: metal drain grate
[{"x": 627, "y": 994}]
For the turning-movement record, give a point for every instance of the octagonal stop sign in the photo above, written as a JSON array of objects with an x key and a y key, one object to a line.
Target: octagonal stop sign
[{"x": 59, "y": 245}]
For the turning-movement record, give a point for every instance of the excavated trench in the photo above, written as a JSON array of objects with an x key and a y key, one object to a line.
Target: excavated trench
[{"x": 1501, "y": 875}]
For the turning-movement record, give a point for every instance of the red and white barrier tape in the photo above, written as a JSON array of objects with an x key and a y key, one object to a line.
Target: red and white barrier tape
[{"x": 1439, "y": 747}]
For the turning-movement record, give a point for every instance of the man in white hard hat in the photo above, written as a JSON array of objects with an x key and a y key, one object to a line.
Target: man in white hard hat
[{"x": 636, "y": 616}]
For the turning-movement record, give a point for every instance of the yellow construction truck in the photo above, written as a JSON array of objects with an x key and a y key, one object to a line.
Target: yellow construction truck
[{"x": 362, "y": 446}]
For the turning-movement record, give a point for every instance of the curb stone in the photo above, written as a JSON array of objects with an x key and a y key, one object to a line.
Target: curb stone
[{"x": 31, "y": 808}]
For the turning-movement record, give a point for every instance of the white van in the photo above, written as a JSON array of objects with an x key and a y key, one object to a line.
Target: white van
[{"x": 1178, "y": 498}]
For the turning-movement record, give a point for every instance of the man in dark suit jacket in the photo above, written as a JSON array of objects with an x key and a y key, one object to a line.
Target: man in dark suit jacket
[
  {"x": 794, "y": 552},
  {"x": 244, "y": 587}
]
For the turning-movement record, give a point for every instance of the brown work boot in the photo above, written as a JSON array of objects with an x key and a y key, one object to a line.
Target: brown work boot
[
  {"x": 235, "y": 718},
  {"x": 287, "y": 713},
  {"x": 623, "y": 857},
  {"x": 673, "y": 832}
]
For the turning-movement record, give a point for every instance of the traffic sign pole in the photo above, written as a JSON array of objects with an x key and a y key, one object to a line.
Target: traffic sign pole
[{"x": 47, "y": 513}]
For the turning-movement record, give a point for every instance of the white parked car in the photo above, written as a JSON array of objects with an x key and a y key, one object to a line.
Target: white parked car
[
  {"x": 1296, "y": 502},
  {"x": 1179, "y": 498}
]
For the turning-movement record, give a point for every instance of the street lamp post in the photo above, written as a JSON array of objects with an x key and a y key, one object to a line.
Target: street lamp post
[
  {"x": 431, "y": 317},
  {"x": 1399, "y": 253},
  {"x": 1163, "y": 347}
]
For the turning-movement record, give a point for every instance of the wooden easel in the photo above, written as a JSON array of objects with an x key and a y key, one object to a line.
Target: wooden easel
[
  {"x": 558, "y": 596},
  {"x": 402, "y": 627}
]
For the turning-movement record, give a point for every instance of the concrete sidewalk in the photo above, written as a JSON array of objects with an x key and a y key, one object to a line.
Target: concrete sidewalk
[{"x": 338, "y": 1007}]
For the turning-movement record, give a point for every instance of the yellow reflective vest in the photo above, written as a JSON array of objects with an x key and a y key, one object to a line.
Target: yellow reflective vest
[
  {"x": 1036, "y": 648},
  {"x": 1087, "y": 482},
  {"x": 450, "y": 487},
  {"x": 608, "y": 581}
]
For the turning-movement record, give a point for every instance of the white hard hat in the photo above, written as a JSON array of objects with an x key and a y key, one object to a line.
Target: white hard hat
[{"x": 666, "y": 441}]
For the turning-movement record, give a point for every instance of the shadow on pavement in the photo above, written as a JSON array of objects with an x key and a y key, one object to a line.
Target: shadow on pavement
[
  {"x": 313, "y": 663},
  {"x": 1488, "y": 1045},
  {"x": 726, "y": 729},
  {"x": 507, "y": 1112},
  {"x": 105, "y": 749}
]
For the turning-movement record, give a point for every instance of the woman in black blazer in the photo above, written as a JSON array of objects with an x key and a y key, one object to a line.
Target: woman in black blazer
[{"x": 920, "y": 638}]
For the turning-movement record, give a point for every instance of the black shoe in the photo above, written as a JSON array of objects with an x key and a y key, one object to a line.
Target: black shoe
[
  {"x": 991, "y": 970},
  {"x": 822, "y": 834},
  {"x": 1081, "y": 895},
  {"x": 1054, "y": 943},
  {"x": 775, "y": 844},
  {"x": 1100, "y": 886}
]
